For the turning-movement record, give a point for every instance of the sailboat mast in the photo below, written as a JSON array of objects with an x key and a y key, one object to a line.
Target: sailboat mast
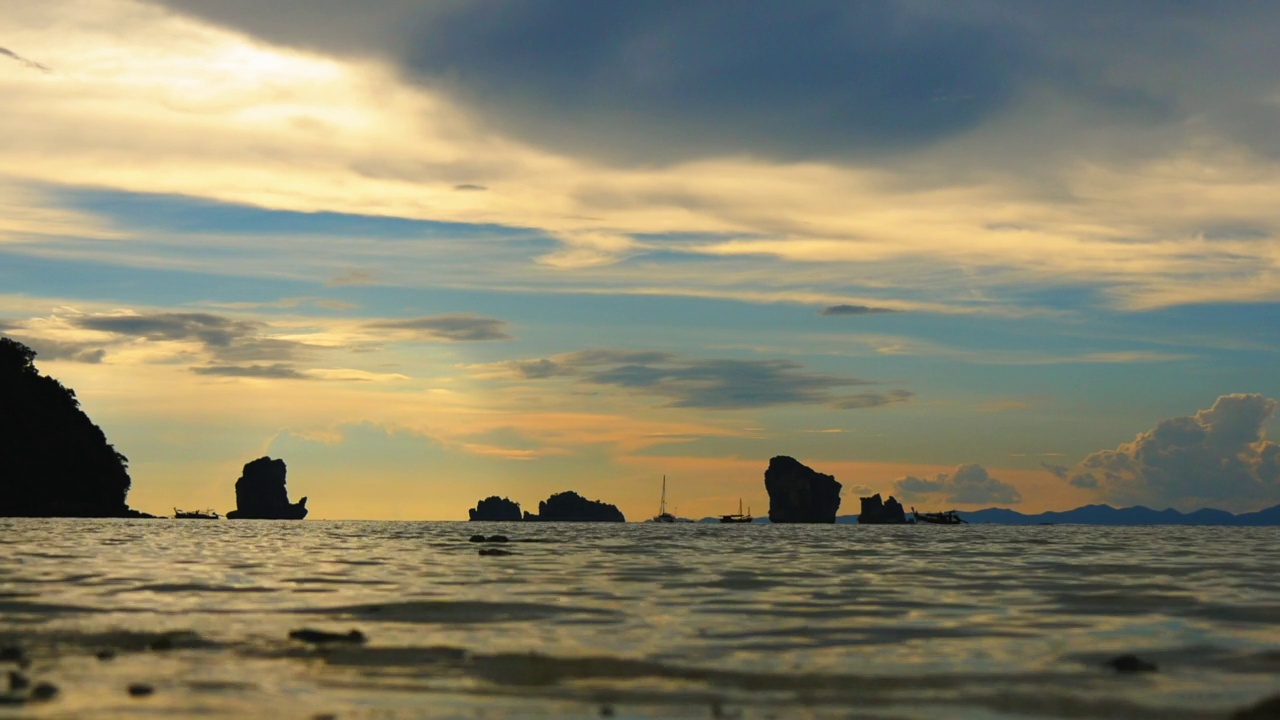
[{"x": 662, "y": 509}]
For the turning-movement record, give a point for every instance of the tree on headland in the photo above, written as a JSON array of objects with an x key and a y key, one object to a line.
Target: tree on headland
[{"x": 54, "y": 462}]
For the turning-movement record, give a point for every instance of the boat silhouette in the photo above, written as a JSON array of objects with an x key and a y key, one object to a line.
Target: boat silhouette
[
  {"x": 663, "y": 516},
  {"x": 739, "y": 517}
]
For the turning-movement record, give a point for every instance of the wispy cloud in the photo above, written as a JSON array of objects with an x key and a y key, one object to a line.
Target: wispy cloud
[
  {"x": 455, "y": 328},
  {"x": 225, "y": 338},
  {"x": 353, "y": 277},
  {"x": 6, "y": 52},
  {"x": 856, "y": 310},
  {"x": 718, "y": 384},
  {"x": 275, "y": 371}
]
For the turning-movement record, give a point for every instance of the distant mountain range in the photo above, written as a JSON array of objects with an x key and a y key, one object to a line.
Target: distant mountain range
[
  {"x": 1100, "y": 515},
  {"x": 1107, "y": 515}
]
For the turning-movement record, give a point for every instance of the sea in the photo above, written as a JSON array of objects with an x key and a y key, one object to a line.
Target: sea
[{"x": 193, "y": 619}]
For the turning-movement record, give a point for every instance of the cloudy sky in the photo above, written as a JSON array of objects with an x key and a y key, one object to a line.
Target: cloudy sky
[{"x": 969, "y": 253}]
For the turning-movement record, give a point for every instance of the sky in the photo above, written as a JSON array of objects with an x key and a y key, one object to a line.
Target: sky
[{"x": 976, "y": 253}]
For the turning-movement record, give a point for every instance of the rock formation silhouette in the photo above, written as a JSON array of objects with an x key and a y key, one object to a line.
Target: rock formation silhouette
[
  {"x": 495, "y": 508},
  {"x": 798, "y": 494},
  {"x": 261, "y": 493},
  {"x": 878, "y": 512},
  {"x": 54, "y": 462},
  {"x": 569, "y": 506}
]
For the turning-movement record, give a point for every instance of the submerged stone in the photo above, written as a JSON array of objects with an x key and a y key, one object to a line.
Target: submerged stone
[
  {"x": 1130, "y": 663},
  {"x": 320, "y": 637}
]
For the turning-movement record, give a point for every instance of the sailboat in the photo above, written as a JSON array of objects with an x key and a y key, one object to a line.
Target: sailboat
[
  {"x": 664, "y": 516},
  {"x": 739, "y": 518}
]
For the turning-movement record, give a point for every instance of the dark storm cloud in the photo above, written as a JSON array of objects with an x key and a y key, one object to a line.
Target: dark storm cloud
[
  {"x": 715, "y": 384},
  {"x": 1216, "y": 456},
  {"x": 457, "y": 328},
  {"x": 970, "y": 484},
  {"x": 276, "y": 371},
  {"x": 638, "y": 81},
  {"x": 227, "y": 339},
  {"x": 855, "y": 310},
  {"x": 6, "y": 52},
  {"x": 644, "y": 82}
]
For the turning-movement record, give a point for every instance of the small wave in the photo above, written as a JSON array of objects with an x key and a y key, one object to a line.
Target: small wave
[
  {"x": 196, "y": 588},
  {"x": 456, "y": 611}
]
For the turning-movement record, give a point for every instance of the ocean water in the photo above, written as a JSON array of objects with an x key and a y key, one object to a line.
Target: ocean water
[{"x": 639, "y": 620}]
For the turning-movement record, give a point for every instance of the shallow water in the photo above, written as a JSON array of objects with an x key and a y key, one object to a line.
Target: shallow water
[{"x": 640, "y": 620}]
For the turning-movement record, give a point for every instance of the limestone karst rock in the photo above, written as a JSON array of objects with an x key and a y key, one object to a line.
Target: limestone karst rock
[
  {"x": 496, "y": 509},
  {"x": 54, "y": 462},
  {"x": 798, "y": 494},
  {"x": 261, "y": 493},
  {"x": 881, "y": 512},
  {"x": 569, "y": 506}
]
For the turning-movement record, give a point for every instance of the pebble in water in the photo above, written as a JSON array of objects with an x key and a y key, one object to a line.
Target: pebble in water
[
  {"x": 1130, "y": 663},
  {"x": 309, "y": 635}
]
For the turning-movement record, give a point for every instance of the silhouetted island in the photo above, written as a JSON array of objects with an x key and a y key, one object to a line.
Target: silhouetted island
[
  {"x": 798, "y": 494},
  {"x": 569, "y": 506},
  {"x": 54, "y": 462},
  {"x": 494, "y": 508},
  {"x": 881, "y": 512},
  {"x": 261, "y": 494}
]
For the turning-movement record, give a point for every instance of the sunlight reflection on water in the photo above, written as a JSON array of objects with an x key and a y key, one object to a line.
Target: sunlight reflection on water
[{"x": 650, "y": 620}]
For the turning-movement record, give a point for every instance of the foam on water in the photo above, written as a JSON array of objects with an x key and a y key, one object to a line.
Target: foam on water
[{"x": 644, "y": 620}]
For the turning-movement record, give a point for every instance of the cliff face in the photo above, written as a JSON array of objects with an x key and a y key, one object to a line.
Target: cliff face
[
  {"x": 261, "y": 493},
  {"x": 54, "y": 462},
  {"x": 496, "y": 509},
  {"x": 881, "y": 512},
  {"x": 571, "y": 507},
  {"x": 798, "y": 494}
]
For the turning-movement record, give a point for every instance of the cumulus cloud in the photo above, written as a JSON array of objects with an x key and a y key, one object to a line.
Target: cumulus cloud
[
  {"x": 855, "y": 310},
  {"x": 700, "y": 383},
  {"x": 969, "y": 484},
  {"x": 1218, "y": 456},
  {"x": 456, "y": 328}
]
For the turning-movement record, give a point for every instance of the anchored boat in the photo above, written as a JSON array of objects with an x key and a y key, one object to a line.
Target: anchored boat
[
  {"x": 739, "y": 517},
  {"x": 950, "y": 517},
  {"x": 664, "y": 516}
]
